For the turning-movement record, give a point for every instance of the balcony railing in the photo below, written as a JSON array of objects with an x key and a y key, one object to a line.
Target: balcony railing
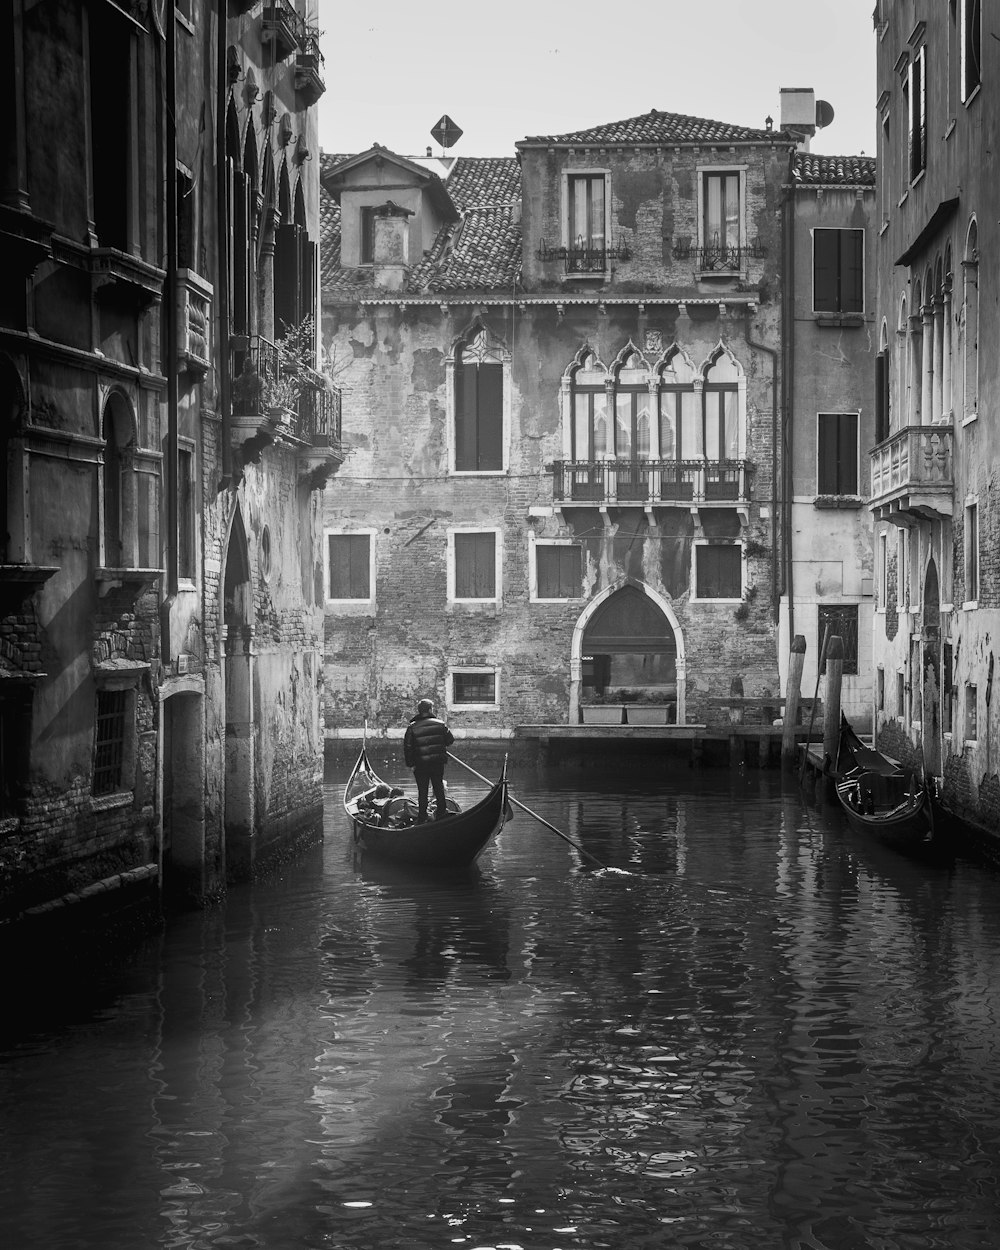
[
  {"x": 912, "y": 472},
  {"x": 316, "y": 419},
  {"x": 283, "y": 27},
  {"x": 256, "y": 377},
  {"x": 579, "y": 258},
  {"x": 309, "y": 67},
  {"x": 651, "y": 481},
  {"x": 720, "y": 257}
]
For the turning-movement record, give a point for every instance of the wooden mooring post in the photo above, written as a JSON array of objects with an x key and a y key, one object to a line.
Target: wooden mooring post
[
  {"x": 793, "y": 692},
  {"x": 831, "y": 711}
]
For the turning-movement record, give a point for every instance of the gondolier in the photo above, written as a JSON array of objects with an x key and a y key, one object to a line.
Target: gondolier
[{"x": 425, "y": 750}]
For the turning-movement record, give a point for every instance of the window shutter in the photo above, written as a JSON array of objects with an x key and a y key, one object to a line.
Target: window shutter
[
  {"x": 286, "y": 256},
  {"x": 490, "y": 411},
  {"x": 307, "y": 277},
  {"x": 825, "y": 271},
  {"x": 881, "y": 396},
  {"x": 853, "y": 271},
  {"x": 349, "y": 567},
  {"x": 826, "y": 455},
  {"x": 847, "y": 453},
  {"x": 475, "y": 566},
  {"x": 466, "y": 398}
]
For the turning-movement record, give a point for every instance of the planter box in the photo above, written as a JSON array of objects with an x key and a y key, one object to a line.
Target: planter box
[
  {"x": 603, "y": 713},
  {"x": 648, "y": 714}
]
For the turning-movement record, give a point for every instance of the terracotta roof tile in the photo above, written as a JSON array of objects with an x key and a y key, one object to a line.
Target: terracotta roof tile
[
  {"x": 665, "y": 128},
  {"x": 809, "y": 169}
]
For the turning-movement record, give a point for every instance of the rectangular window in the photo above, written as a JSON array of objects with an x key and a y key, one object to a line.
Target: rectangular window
[
  {"x": 841, "y": 620},
  {"x": 900, "y": 696},
  {"x": 972, "y": 27},
  {"x": 478, "y": 416},
  {"x": 109, "y": 740},
  {"x": 475, "y": 565},
  {"x": 558, "y": 571},
  {"x": 185, "y": 513},
  {"x": 477, "y": 686},
  {"x": 586, "y": 238},
  {"x": 721, "y": 220},
  {"x": 882, "y": 396},
  {"x": 837, "y": 453},
  {"x": 948, "y": 692},
  {"x": 880, "y": 689},
  {"x": 971, "y": 553},
  {"x": 718, "y": 571},
  {"x": 917, "y": 113},
  {"x": 15, "y": 740},
  {"x": 971, "y": 712},
  {"x": 902, "y": 571},
  {"x": 185, "y": 220},
  {"x": 838, "y": 271},
  {"x": 367, "y": 236},
  {"x": 349, "y": 566}
]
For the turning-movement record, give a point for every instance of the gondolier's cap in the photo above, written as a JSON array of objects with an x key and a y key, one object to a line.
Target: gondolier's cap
[{"x": 425, "y": 705}]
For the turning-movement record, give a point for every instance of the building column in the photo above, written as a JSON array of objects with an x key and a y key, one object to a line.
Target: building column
[
  {"x": 927, "y": 364},
  {"x": 947, "y": 400},
  {"x": 937, "y": 393}
]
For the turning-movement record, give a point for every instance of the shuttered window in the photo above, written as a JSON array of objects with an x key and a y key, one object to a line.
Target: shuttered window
[
  {"x": 475, "y": 566},
  {"x": 559, "y": 572},
  {"x": 718, "y": 571},
  {"x": 478, "y": 416},
  {"x": 350, "y": 566},
  {"x": 838, "y": 271},
  {"x": 881, "y": 396},
  {"x": 917, "y": 113},
  {"x": 837, "y": 453}
]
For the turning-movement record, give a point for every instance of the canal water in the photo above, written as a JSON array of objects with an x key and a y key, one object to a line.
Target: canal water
[{"x": 765, "y": 1033}]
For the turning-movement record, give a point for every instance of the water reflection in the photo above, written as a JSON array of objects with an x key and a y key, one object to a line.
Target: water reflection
[{"x": 770, "y": 1033}]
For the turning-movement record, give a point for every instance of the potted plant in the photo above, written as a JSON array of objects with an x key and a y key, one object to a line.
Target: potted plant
[
  {"x": 652, "y": 706},
  {"x": 602, "y": 708}
]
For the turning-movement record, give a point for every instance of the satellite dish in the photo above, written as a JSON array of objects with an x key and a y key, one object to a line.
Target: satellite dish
[
  {"x": 447, "y": 132},
  {"x": 824, "y": 114}
]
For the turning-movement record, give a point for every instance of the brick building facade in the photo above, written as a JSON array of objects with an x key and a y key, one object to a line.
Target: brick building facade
[
  {"x": 561, "y": 377},
  {"x": 934, "y": 466},
  {"x": 160, "y": 636}
]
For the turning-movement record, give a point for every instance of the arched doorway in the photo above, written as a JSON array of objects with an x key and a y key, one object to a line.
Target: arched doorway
[
  {"x": 930, "y": 666},
  {"x": 237, "y": 614},
  {"x": 628, "y": 638}
]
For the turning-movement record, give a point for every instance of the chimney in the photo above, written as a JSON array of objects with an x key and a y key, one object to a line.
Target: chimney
[
  {"x": 391, "y": 246},
  {"x": 798, "y": 114}
]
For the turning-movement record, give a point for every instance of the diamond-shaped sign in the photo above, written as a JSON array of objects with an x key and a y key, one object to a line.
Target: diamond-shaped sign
[{"x": 446, "y": 132}]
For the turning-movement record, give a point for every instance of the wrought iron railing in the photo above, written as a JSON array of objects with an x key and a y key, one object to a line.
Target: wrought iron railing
[
  {"x": 719, "y": 257},
  {"x": 317, "y": 416},
  {"x": 919, "y": 456},
  {"x": 650, "y": 481},
  {"x": 309, "y": 66},
  {"x": 580, "y": 258},
  {"x": 256, "y": 372},
  {"x": 283, "y": 25}
]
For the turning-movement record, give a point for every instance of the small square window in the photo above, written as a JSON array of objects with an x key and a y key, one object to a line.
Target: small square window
[
  {"x": 474, "y": 687},
  {"x": 475, "y": 565},
  {"x": 349, "y": 566},
  {"x": 559, "y": 571},
  {"x": 718, "y": 571}
]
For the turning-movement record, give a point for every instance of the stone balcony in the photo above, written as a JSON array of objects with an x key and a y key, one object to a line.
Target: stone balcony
[
  {"x": 913, "y": 475},
  {"x": 283, "y": 27},
  {"x": 309, "y": 82}
]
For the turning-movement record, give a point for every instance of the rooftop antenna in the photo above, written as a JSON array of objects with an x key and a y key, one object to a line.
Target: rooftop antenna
[{"x": 446, "y": 132}]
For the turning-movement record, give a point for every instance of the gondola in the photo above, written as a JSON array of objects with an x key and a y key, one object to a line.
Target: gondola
[
  {"x": 383, "y": 822},
  {"x": 879, "y": 798}
]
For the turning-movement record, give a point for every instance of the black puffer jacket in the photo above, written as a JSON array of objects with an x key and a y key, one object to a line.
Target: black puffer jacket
[{"x": 426, "y": 741}]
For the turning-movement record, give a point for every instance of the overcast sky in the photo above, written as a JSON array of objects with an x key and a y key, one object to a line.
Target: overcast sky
[{"x": 515, "y": 68}]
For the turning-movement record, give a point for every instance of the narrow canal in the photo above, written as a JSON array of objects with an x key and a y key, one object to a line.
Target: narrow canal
[{"x": 768, "y": 1034}]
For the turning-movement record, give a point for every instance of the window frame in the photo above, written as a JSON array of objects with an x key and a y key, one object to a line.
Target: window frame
[
  {"x": 537, "y": 544},
  {"x": 842, "y": 267},
  {"x": 882, "y": 599},
  {"x": 112, "y": 683},
  {"x": 971, "y": 15},
  {"x": 825, "y": 612},
  {"x": 475, "y": 670},
  {"x": 452, "y": 563},
  {"x": 493, "y": 350},
  {"x": 578, "y": 174},
  {"x": 820, "y": 483},
  {"x": 362, "y": 605},
  {"x": 699, "y": 543},
  {"x": 971, "y": 554},
  {"x": 703, "y": 173},
  {"x": 916, "y": 115}
]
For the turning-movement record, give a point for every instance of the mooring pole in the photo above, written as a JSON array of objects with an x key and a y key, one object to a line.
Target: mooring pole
[
  {"x": 793, "y": 693},
  {"x": 831, "y": 703}
]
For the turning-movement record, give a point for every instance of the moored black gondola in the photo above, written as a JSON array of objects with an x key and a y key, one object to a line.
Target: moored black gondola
[
  {"x": 879, "y": 798},
  {"x": 383, "y": 822}
]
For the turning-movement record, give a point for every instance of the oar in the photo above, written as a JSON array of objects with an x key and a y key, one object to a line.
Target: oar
[{"x": 541, "y": 819}]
